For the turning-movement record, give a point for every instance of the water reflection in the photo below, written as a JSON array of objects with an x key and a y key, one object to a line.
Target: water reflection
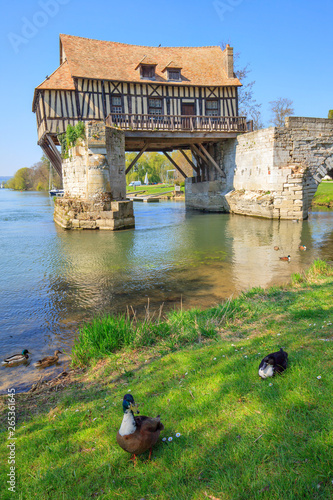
[{"x": 51, "y": 279}]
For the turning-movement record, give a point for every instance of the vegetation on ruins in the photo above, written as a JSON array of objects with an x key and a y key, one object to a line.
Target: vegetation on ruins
[
  {"x": 71, "y": 137},
  {"x": 330, "y": 114}
]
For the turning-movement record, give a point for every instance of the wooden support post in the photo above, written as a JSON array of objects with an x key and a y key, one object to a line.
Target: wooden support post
[
  {"x": 211, "y": 159},
  {"x": 175, "y": 164},
  {"x": 136, "y": 158},
  {"x": 197, "y": 170}
]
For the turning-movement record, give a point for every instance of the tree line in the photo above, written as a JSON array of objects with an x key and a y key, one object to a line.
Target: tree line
[{"x": 35, "y": 178}]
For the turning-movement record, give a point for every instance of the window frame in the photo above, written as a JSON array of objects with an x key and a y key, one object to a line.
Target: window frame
[
  {"x": 210, "y": 111},
  {"x": 147, "y": 67},
  {"x": 115, "y": 107},
  {"x": 150, "y": 107},
  {"x": 178, "y": 71}
]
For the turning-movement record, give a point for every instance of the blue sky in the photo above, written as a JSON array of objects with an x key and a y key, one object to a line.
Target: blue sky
[{"x": 288, "y": 44}]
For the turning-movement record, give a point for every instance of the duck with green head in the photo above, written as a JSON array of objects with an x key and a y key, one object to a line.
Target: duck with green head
[
  {"x": 17, "y": 358},
  {"x": 137, "y": 434}
]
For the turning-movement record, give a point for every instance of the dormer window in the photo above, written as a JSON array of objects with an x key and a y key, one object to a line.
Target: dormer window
[
  {"x": 174, "y": 71},
  {"x": 147, "y": 71},
  {"x": 147, "y": 67},
  {"x": 174, "y": 74}
]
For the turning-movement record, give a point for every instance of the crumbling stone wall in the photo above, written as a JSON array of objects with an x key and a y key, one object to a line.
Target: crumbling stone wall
[
  {"x": 272, "y": 172},
  {"x": 95, "y": 184}
]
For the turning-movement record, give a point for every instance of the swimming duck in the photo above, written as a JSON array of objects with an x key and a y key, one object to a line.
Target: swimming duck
[
  {"x": 285, "y": 258},
  {"x": 302, "y": 247},
  {"x": 17, "y": 358},
  {"x": 276, "y": 248},
  {"x": 48, "y": 360},
  {"x": 276, "y": 362},
  {"x": 137, "y": 434}
]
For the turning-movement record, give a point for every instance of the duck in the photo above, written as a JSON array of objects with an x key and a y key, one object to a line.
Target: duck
[
  {"x": 48, "y": 360},
  {"x": 276, "y": 248},
  {"x": 17, "y": 358},
  {"x": 137, "y": 434},
  {"x": 302, "y": 247},
  {"x": 285, "y": 258},
  {"x": 276, "y": 362}
]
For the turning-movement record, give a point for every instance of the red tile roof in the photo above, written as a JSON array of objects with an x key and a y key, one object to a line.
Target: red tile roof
[
  {"x": 96, "y": 59},
  {"x": 61, "y": 78}
]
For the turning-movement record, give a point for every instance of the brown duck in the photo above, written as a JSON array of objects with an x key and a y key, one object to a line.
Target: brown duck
[
  {"x": 137, "y": 434},
  {"x": 48, "y": 360}
]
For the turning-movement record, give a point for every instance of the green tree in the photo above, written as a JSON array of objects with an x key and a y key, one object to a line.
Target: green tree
[
  {"x": 21, "y": 180},
  {"x": 330, "y": 114}
]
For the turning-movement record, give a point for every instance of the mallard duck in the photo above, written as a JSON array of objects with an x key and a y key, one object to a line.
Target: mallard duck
[
  {"x": 137, "y": 434},
  {"x": 49, "y": 360},
  {"x": 302, "y": 247},
  {"x": 285, "y": 258},
  {"x": 276, "y": 362},
  {"x": 17, "y": 358}
]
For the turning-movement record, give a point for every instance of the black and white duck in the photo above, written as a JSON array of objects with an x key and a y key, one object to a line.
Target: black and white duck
[{"x": 276, "y": 362}]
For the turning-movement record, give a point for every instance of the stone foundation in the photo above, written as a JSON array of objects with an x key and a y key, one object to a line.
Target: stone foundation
[
  {"x": 272, "y": 173},
  {"x": 71, "y": 213},
  {"x": 95, "y": 184}
]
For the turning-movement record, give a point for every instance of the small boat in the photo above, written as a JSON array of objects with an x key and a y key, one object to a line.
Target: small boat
[{"x": 56, "y": 192}]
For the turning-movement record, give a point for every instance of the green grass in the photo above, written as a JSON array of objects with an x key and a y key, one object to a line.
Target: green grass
[
  {"x": 324, "y": 194},
  {"x": 241, "y": 438},
  {"x": 155, "y": 189}
]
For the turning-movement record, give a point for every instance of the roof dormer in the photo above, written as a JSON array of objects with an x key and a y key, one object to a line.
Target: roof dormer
[
  {"x": 147, "y": 67},
  {"x": 174, "y": 71}
]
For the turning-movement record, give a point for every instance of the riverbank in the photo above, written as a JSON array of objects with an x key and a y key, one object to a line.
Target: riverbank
[
  {"x": 239, "y": 435},
  {"x": 324, "y": 195}
]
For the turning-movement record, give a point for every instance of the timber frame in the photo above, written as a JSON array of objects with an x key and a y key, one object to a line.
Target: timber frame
[{"x": 85, "y": 85}]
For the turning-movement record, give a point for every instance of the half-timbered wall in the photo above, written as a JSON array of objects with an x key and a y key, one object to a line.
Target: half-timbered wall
[{"x": 93, "y": 100}]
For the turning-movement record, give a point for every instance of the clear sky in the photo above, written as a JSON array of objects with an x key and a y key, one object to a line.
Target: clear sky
[{"x": 288, "y": 44}]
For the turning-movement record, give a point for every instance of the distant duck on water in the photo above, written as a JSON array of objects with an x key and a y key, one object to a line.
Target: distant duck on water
[
  {"x": 302, "y": 247},
  {"x": 48, "y": 360},
  {"x": 17, "y": 358},
  {"x": 276, "y": 362},
  {"x": 137, "y": 434},
  {"x": 285, "y": 258},
  {"x": 276, "y": 248}
]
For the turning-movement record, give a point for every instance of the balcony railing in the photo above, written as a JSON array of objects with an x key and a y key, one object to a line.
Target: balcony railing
[{"x": 133, "y": 122}]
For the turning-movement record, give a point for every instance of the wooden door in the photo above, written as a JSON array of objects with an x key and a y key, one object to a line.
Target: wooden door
[{"x": 188, "y": 110}]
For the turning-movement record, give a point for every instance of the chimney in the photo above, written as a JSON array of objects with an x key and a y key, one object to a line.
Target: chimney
[{"x": 229, "y": 61}]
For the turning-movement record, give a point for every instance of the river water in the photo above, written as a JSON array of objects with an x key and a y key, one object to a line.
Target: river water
[{"x": 51, "y": 279}]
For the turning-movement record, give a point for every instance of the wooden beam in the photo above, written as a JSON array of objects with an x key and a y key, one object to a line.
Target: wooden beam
[
  {"x": 211, "y": 159},
  {"x": 175, "y": 164},
  {"x": 199, "y": 153},
  {"x": 136, "y": 158},
  {"x": 189, "y": 161}
]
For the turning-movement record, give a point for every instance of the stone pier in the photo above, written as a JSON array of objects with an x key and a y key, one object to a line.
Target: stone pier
[
  {"x": 272, "y": 173},
  {"x": 94, "y": 183}
]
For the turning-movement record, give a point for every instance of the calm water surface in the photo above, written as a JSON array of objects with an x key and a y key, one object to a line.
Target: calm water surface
[{"x": 51, "y": 279}]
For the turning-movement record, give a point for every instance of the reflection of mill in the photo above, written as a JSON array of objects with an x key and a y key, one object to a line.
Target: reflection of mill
[{"x": 255, "y": 262}]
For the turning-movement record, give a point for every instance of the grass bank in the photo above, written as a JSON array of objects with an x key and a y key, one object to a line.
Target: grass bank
[
  {"x": 324, "y": 194},
  {"x": 241, "y": 437},
  {"x": 160, "y": 189}
]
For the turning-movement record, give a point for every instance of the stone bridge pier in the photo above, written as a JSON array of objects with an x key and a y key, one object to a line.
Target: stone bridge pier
[
  {"x": 272, "y": 173},
  {"x": 94, "y": 183}
]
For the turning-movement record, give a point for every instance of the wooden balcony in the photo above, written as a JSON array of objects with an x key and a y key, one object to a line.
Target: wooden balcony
[{"x": 177, "y": 123}]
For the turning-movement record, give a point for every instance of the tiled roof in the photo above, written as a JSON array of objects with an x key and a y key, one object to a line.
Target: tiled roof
[
  {"x": 96, "y": 59},
  {"x": 61, "y": 78},
  {"x": 172, "y": 65}
]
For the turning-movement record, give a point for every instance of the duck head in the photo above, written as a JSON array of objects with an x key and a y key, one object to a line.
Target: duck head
[
  {"x": 25, "y": 351},
  {"x": 129, "y": 404},
  {"x": 267, "y": 368},
  {"x": 57, "y": 352}
]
